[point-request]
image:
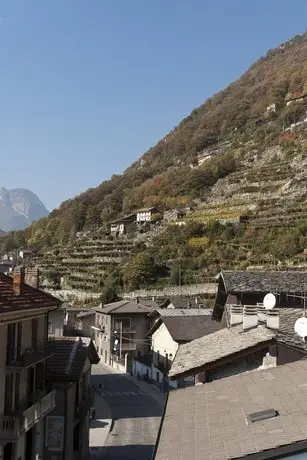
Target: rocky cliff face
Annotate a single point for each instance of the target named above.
(19, 207)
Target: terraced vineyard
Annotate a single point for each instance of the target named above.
(82, 265)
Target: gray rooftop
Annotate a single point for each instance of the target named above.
(124, 306)
(218, 345)
(210, 421)
(286, 333)
(259, 281)
(184, 311)
(187, 328)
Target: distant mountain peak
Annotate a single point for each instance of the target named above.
(19, 207)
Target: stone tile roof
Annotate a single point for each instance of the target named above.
(184, 311)
(69, 357)
(216, 346)
(286, 333)
(124, 306)
(258, 281)
(210, 421)
(29, 297)
(187, 328)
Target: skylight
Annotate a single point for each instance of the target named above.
(262, 415)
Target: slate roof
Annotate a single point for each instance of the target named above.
(258, 281)
(187, 328)
(184, 311)
(124, 306)
(286, 333)
(213, 417)
(29, 298)
(220, 344)
(69, 357)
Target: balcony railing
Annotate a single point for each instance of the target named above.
(125, 329)
(18, 357)
(11, 426)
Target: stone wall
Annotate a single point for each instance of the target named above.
(173, 291)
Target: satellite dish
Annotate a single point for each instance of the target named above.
(269, 301)
(300, 327)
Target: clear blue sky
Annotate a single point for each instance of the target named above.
(87, 86)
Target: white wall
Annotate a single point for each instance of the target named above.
(163, 342)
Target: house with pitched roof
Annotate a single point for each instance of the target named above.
(69, 373)
(172, 329)
(120, 332)
(25, 400)
(245, 287)
(250, 287)
(257, 415)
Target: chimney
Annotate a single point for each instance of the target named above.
(272, 319)
(261, 314)
(236, 314)
(250, 317)
(18, 280)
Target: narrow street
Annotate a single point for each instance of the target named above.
(136, 417)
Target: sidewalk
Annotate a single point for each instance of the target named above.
(100, 427)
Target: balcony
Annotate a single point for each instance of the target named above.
(11, 426)
(20, 358)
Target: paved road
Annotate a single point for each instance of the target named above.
(136, 417)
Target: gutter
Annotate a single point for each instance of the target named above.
(160, 429)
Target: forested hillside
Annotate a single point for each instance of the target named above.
(235, 117)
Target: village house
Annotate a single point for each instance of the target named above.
(257, 415)
(172, 329)
(207, 154)
(86, 324)
(56, 322)
(69, 372)
(173, 215)
(145, 215)
(25, 401)
(250, 287)
(240, 287)
(119, 226)
(120, 333)
(71, 320)
(247, 344)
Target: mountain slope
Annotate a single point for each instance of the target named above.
(163, 176)
(19, 208)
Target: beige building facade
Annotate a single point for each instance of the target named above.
(24, 399)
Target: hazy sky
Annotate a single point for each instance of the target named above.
(87, 86)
